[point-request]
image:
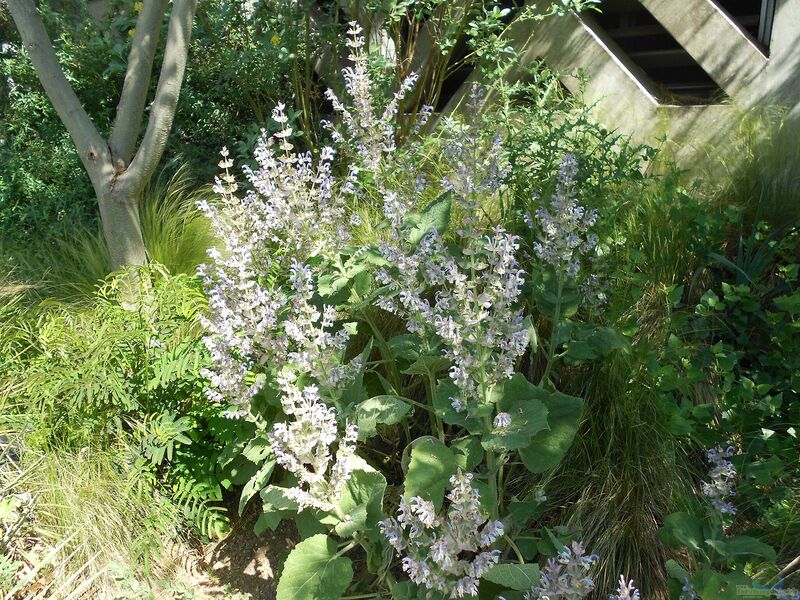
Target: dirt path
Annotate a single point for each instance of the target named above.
(241, 565)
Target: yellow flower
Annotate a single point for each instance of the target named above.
(132, 32)
(137, 6)
(276, 39)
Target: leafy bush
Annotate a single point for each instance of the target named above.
(114, 395)
(409, 348)
(732, 375)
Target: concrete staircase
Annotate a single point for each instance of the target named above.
(683, 68)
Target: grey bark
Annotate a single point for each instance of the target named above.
(118, 171)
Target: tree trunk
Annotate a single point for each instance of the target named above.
(119, 212)
(116, 171)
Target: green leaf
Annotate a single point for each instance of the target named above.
(533, 337)
(711, 585)
(443, 407)
(607, 340)
(523, 511)
(379, 410)
(744, 545)
(270, 518)
(548, 447)
(580, 351)
(516, 389)
(428, 365)
(404, 590)
(257, 448)
(354, 392)
(676, 571)
(256, 484)
(514, 576)
(435, 216)
(468, 452)
(682, 529)
(354, 520)
(432, 464)
(309, 524)
(522, 400)
(547, 298)
(362, 500)
(406, 346)
(313, 571)
(275, 497)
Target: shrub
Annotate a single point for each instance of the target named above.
(126, 387)
(388, 374)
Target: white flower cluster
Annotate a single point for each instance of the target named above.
(371, 131)
(254, 325)
(564, 225)
(295, 198)
(446, 552)
(687, 591)
(502, 421)
(313, 348)
(479, 168)
(473, 309)
(292, 210)
(303, 447)
(722, 484)
(565, 577)
(625, 590)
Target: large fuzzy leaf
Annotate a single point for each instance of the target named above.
(313, 571)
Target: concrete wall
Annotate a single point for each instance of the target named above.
(625, 99)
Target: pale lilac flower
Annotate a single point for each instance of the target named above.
(293, 209)
(565, 577)
(447, 552)
(304, 448)
(722, 484)
(625, 590)
(479, 164)
(501, 421)
(370, 130)
(563, 225)
(687, 591)
(474, 310)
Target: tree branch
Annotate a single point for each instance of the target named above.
(166, 98)
(89, 143)
(137, 81)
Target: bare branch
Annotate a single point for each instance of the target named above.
(137, 79)
(166, 98)
(89, 143)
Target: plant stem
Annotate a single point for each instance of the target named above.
(491, 466)
(511, 543)
(438, 421)
(345, 550)
(420, 405)
(551, 349)
(386, 352)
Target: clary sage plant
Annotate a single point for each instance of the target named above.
(384, 382)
